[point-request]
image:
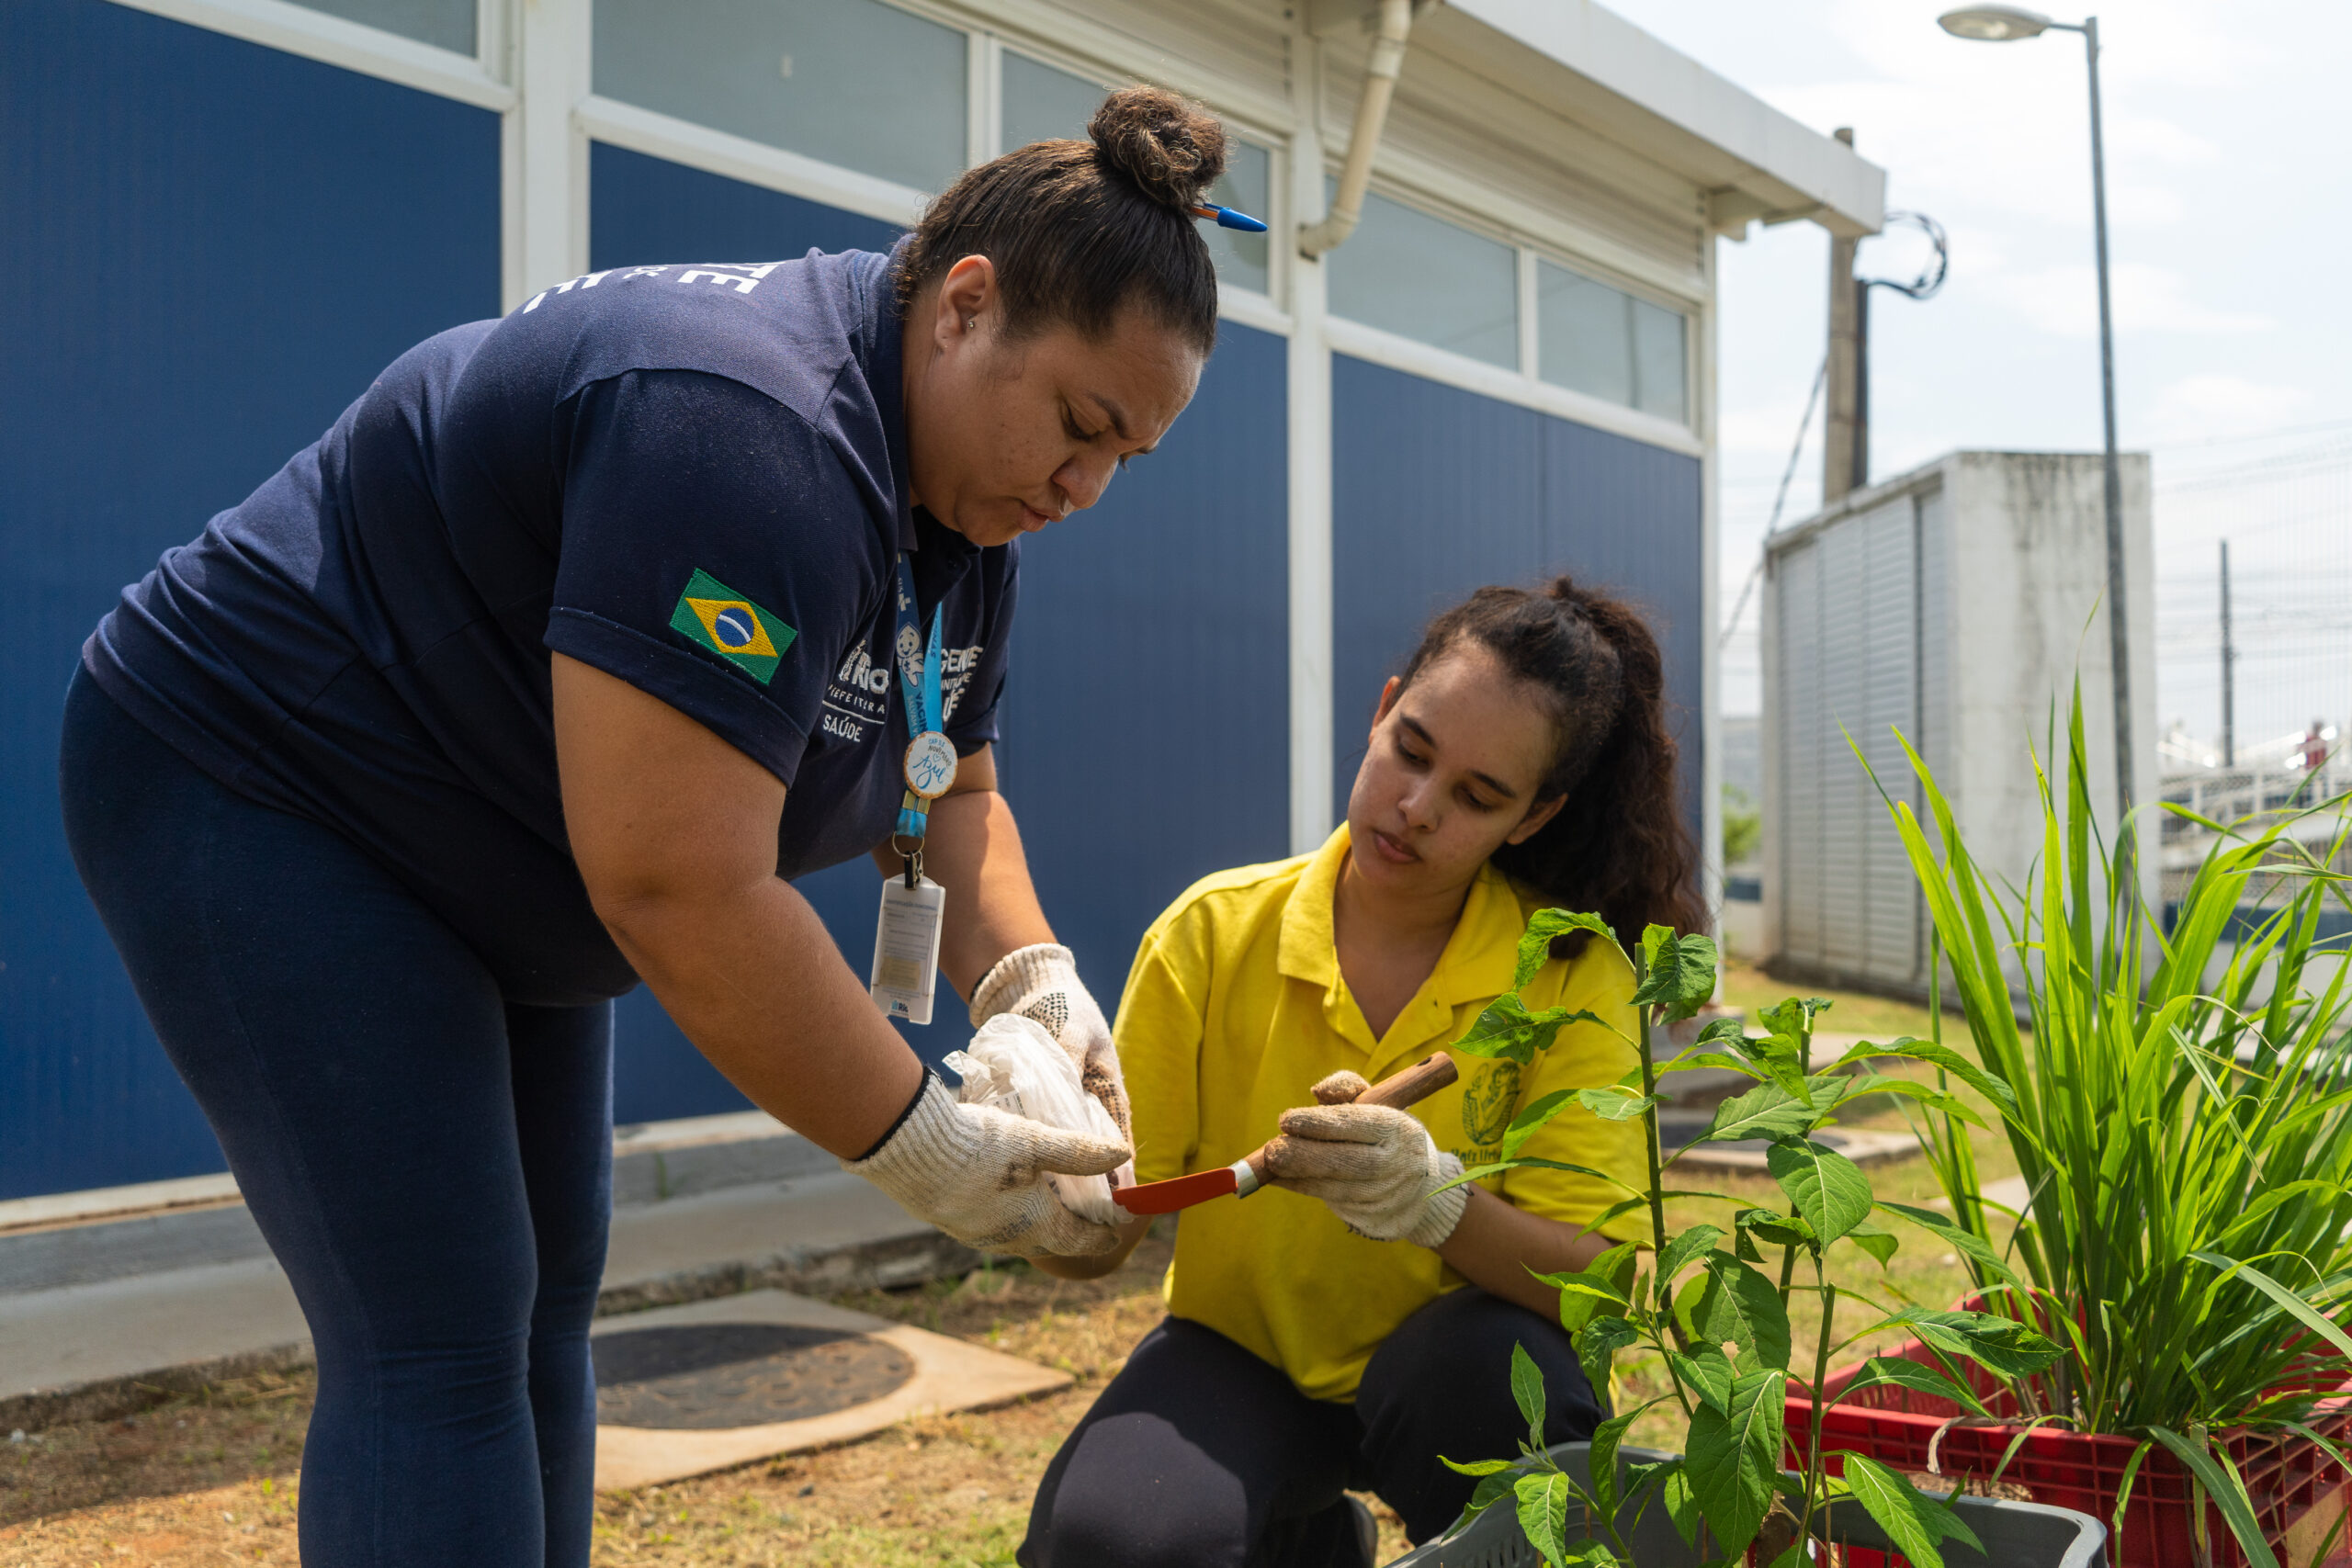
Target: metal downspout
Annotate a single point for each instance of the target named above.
(1372, 113)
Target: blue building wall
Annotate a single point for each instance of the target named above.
(643, 211)
(1151, 630)
(217, 245)
(1436, 491)
(212, 248)
(1153, 643)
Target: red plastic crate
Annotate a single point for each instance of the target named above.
(2297, 1490)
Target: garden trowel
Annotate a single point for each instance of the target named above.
(1248, 1174)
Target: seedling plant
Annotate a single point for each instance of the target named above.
(1712, 1305)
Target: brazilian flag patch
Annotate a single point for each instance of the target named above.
(715, 616)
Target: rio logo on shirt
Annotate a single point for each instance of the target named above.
(1488, 1104)
(713, 616)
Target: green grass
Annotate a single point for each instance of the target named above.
(1749, 989)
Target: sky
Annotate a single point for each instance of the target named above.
(2227, 130)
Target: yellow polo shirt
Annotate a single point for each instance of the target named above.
(1235, 1008)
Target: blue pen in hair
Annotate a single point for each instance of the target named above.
(1229, 219)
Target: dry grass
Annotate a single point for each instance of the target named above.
(195, 1481)
(952, 1489)
(184, 1482)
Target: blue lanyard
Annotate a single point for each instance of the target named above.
(918, 677)
(920, 681)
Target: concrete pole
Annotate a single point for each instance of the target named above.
(1838, 447)
(2118, 638)
(1861, 469)
(2228, 672)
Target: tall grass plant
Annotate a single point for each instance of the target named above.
(2182, 1119)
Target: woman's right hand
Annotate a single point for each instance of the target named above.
(979, 1175)
(1377, 1168)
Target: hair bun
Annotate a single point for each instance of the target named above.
(1169, 145)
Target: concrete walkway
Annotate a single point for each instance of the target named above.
(97, 1312)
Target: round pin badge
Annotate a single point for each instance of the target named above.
(931, 764)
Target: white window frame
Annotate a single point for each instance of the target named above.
(695, 146)
(1634, 289)
(1525, 385)
(1247, 306)
(355, 46)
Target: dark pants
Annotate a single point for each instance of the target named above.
(431, 1163)
(1200, 1455)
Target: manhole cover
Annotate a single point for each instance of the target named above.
(709, 1377)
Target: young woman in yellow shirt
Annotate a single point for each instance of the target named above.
(1349, 1324)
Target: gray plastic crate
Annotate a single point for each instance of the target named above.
(2016, 1535)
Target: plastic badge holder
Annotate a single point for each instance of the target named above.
(1013, 1066)
(905, 948)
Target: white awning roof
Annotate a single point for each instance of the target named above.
(1594, 67)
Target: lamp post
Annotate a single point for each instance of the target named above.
(2006, 23)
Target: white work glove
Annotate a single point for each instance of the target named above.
(1013, 1066)
(979, 1175)
(1377, 1168)
(1040, 983)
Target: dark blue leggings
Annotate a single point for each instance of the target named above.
(431, 1163)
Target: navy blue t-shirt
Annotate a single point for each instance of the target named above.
(692, 478)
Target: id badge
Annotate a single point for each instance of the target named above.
(905, 948)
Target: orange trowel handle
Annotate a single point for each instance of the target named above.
(1397, 1092)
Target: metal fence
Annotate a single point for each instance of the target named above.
(2254, 643)
(2254, 665)
(2304, 798)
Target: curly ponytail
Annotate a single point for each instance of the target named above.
(1619, 847)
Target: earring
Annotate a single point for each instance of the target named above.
(969, 321)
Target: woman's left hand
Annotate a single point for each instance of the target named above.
(1377, 1168)
(1040, 983)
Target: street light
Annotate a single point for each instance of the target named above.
(2006, 23)
(1994, 24)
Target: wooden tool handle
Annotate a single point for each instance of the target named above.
(1413, 1085)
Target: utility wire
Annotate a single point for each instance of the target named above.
(2271, 434)
(1926, 286)
(1795, 451)
(1930, 280)
(2311, 464)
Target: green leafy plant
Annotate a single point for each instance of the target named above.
(1743, 826)
(2182, 1120)
(1712, 1305)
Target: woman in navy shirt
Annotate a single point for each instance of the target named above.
(541, 672)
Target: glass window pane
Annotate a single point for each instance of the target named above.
(1041, 104)
(1584, 340)
(449, 24)
(1659, 362)
(1247, 185)
(1422, 278)
(851, 82)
